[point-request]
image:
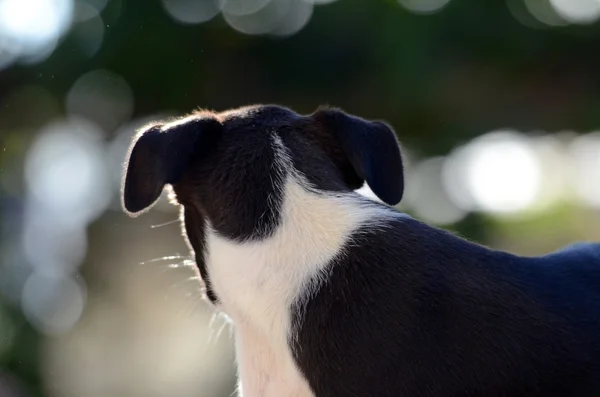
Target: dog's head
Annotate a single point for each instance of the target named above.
(215, 161)
(228, 168)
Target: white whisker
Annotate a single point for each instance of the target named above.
(164, 224)
(164, 258)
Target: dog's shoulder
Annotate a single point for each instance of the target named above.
(389, 231)
(587, 250)
(574, 259)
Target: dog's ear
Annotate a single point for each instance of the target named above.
(372, 149)
(158, 156)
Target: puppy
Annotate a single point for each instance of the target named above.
(332, 294)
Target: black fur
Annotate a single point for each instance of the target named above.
(372, 149)
(194, 231)
(409, 310)
(160, 157)
(406, 309)
(236, 178)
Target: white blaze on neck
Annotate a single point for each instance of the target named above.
(257, 282)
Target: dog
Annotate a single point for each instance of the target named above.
(333, 294)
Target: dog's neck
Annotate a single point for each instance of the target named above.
(300, 227)
(307, 219)
(313, 228)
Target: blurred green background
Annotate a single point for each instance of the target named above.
(496, 104)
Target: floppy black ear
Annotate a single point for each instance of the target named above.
(159, 155)
(373, 150)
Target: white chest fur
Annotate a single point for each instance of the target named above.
(258, 282)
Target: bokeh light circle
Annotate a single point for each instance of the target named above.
(242, 7)
(577, 11)
(53, 304)
(585, 154)
(66, 172)
(423, 6)
(498, 172)
(191, 11)
(103, 97)
(32, 28)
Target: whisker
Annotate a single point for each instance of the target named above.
(186, 280)
(215, 334)
(212, 320)
(172, 266)
(185, 263)
(164, 224)
(220, 331)
(212, 329)
(164, 258)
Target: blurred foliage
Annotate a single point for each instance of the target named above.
(439, 79)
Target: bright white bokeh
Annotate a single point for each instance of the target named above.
(32, 28)
(66, 171)
(498, 173)
(423, 6)
(585, 154)
(577, 11)
(556, 165)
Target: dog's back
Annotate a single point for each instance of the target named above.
(445, 317)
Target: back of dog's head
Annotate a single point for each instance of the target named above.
(231, 166)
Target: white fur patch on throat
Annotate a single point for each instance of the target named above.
(258, 282)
